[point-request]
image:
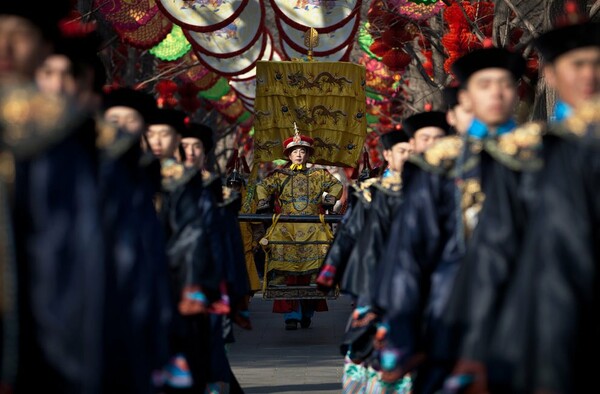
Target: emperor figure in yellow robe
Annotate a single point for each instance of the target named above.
(297, 190)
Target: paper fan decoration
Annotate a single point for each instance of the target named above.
(323, 15)
(148, 35)
(234, 111)
(229, 106)
(127, 15)
(248, 107)
(202, 15)
(234, 38)
(328, 42)
(173, 47)
(207, 81)
(196, 70)
(241, 64)
(267, 55)
(245, 89)
(340, 55)
(218, 90)
(276, 56)
(249, 102)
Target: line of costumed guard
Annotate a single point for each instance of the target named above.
(471, 255)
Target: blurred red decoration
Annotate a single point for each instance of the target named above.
(166, 90)
(396, 59)
(379, 48)
(73, 26)
(460, 38)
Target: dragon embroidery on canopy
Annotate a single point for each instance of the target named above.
(319, 115)
(322, 80)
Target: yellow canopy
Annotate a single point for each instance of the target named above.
(325, 99)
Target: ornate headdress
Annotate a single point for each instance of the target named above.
(297, 140)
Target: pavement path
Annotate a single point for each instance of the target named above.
(270, 359)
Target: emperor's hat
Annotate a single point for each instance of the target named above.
(297, 140)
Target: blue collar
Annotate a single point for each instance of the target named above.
(562, 111)
(479, 130)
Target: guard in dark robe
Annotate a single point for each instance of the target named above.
(438, 214)
(138, 307)
(532, 345)
(422, 206)
(207, 279)
(55, 323)
(348, 230)
(359, 280)
(479, 287)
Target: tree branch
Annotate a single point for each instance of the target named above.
(595, 8)
(409, 49)
(473, 25)
(519, 15)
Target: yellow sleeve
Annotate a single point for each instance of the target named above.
(265, 189)
(332, 185)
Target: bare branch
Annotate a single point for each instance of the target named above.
(473, 25)
(595, 8)
(519, 15)
(409, 49)
(171, 72)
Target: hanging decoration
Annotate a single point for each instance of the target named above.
(274, 56)
(341, 55)
(235, 38)
(365, 40)
(218, 90)
(165, 91)
(173, 47)
(418, 10)
(127, 15)
(202, 15)
(460, 38)
(188, 98)
(242, 64)
(323, 15)
(149, 34)
(328, 42)
(246, 89)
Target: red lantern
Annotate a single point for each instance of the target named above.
(396, 59)
(379, 48)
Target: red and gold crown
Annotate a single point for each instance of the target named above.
(297, 140)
